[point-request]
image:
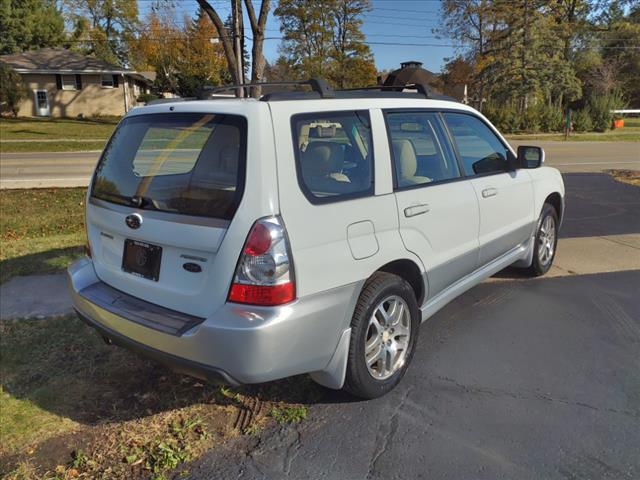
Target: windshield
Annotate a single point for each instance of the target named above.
(187, 163)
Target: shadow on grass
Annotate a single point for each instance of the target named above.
(64, 367)
(48, 261)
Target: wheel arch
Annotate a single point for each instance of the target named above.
(555, 199)
(409, 271)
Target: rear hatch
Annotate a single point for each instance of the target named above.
(162, 198)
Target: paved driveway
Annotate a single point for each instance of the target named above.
(517, 379)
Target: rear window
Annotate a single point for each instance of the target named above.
(186, 163)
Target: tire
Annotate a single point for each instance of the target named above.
(546, 241)
(377, 341)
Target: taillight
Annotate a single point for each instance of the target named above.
(264, 275)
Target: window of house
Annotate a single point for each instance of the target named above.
(481, 151)
(41, 97)
(69, 82)
(107, 81)
(420, 151)
(334, 155)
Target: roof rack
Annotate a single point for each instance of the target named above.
(318, 85)
(320, 88)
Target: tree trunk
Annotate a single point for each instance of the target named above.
(258, 25)
(227, 42)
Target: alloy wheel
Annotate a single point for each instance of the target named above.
(387, 338)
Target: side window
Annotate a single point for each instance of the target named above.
(419, 151)
(480, 149)
(334, 154)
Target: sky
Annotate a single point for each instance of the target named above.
(396, 31)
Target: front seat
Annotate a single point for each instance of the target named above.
(407, 163)
(321, 165)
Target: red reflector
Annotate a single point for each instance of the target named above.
(258, 241)
(262, 294)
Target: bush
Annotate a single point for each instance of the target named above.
(532, 119)
(582, 120)
(601, 106)
(504, 117)
(553, 119)
(147, 97)
(12, 90)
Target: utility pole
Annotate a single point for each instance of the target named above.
(237, 44)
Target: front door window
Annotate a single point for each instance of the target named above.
(42, 103)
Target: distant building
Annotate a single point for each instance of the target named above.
(63, 83)
(410, 72)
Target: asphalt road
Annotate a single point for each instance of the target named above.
(67, 169)
(516, 379)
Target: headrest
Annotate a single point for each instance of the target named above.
(405, 157)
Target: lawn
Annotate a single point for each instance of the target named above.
(71, 406)
(41, 230)
(55, 134)
(629, 133)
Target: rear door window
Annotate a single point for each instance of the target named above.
(334, 155)
(421, 154)
(480, 150)
(185, 163)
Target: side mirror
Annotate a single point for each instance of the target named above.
(530, 157)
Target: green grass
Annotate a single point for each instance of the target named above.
(629, 133)
(70, 134)
(61, 146)
(41, 230)
(56, 128)
(289, 413)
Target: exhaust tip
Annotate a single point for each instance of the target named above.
(107, 340)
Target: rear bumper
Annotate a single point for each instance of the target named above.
(178, 364)
(237, 344)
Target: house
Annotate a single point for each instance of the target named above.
(63, 83)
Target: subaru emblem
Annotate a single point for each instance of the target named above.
(133, 221)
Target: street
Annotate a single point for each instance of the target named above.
(69, 169)
(517, 378)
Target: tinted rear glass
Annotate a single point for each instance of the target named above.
(187, 163)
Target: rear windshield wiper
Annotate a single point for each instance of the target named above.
(144, 203)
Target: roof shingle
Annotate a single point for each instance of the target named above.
(58, 59)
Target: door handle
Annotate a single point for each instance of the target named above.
(489, 192)
(414, 210)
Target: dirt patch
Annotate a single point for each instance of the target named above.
(631, 177)
(73, 407)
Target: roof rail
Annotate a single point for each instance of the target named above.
(318, 85)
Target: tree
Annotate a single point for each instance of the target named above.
(325, 39)
(12, 90)
(257, 23)
(184, 59)
(520, 49)
(201, 60)
(103, 27)
(619, 55)
(29, 25)
(156, 49)
(455, 73)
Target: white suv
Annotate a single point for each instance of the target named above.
(244, 240)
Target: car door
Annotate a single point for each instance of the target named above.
(505, 196)
(437, 208)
